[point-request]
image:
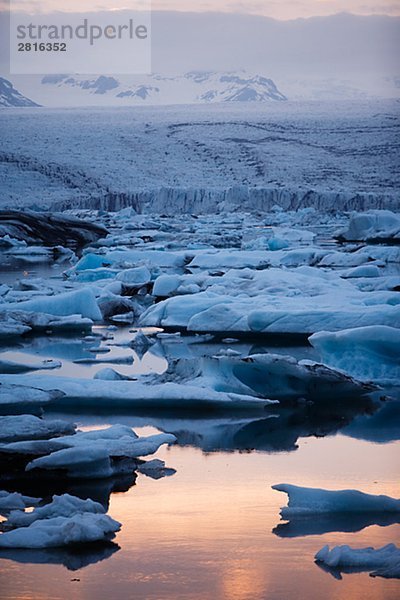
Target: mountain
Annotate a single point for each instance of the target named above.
(9, 96)
(191, 88)
(342, 56)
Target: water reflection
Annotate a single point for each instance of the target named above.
(321, 524)
(72, 558)
(45, 485)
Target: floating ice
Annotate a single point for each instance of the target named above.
(61, 531)
(277, 376)
(311, 501)
(17, 399)
(383, 562)
(80, 302)
(15, 501)
(374, 225)
(27, 427)
(18, 322)
(369, 353)
(60, 506)
(193, 396)
(9, 366)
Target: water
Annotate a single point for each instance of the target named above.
(206, 532)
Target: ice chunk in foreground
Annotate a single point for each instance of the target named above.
(383, 562)
(92, 454)
(60, 506)
(62, 531)
(369, 353)
(310, 501)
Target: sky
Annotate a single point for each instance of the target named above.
(279, 9)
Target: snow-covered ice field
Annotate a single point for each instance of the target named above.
(216, 335)
(344, 152)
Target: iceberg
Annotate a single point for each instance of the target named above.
(60, 506)
(27, 427)
(369, 353)
(15, 501)
(80, 302)
(62, 531)
(18, 399)
(10, 366)
(372, 226)
(383, 562)
(96, 393)
(279, 377)
(312, 501)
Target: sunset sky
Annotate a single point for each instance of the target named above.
(280, 9)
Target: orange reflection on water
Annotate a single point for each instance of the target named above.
(206, 532)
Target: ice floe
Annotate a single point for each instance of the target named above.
(193, 396)
(381, 562)
(311, 501)
(79, 528)
(18, 399)
(28, 427)
(369, 353)
(374, 225)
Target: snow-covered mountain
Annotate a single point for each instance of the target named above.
(9, 96)
(191, 88)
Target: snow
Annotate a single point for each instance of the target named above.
(221, 158)
(369, 353)
(383, 562)
(307, 502)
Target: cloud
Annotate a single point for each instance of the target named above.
(283, 9)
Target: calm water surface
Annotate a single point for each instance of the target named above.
(206, 532)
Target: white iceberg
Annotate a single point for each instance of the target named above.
(374, 225)
(369, 353)
(27, 427)
(62, 531)
(17, 399)
(80, 302)
(91, 454)
(312, 501)
(383, 562)
(10, 366)
(60, 506)
(193, 396)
